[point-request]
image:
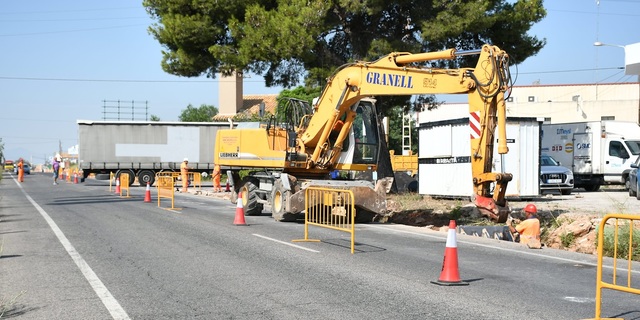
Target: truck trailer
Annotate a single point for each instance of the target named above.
(143, 148)
(598, 152)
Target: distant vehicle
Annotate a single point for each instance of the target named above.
(25, 165)
(633, 179)
(599, 152)
(8, 165)
(553, 176)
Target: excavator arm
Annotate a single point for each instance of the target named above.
(404, 74)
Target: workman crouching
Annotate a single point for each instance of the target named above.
(529, 229)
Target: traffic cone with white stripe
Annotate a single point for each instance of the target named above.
(239, 219)
(450, 276)
(227, 189)
(75, 178)
(117, 185)
(147, 194)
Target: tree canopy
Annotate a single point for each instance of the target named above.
(204, 113)
(287, 41)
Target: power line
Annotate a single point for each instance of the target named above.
(67, 11)
(70, 20)
(574, 70)
(70, 31)
(114, 80)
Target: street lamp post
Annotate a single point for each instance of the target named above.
(627, 71)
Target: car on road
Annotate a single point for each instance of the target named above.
(8, 165)
(27, 168)
(633, 179)
(25, 165)
(553, 176)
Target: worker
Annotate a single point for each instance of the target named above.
(184, 171)
(529, 229)
(21, 170)
(56, 169)
(216, 178)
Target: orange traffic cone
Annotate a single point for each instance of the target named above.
(239, 219)
(147, 194)
(450, 275)
(75, 178)
(117, 185)
(227, 189)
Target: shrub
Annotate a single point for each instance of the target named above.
(623, 243)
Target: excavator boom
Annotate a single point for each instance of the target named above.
(339, 133)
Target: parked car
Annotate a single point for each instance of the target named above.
(633, 179)
(553, 176)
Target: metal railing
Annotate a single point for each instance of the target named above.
(631, 251)
(329, 208)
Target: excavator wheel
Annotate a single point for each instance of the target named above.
(279, 199)
(250, 197)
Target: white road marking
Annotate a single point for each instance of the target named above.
(580, 299)
(502, 249)
(285, 243)
(112, 305)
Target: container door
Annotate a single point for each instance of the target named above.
(582, 153)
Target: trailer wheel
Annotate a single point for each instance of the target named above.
(279, 199)
(127, 172)
(250, 197)
(146, 176)
(592, 187)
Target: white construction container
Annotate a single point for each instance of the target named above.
(444, 164)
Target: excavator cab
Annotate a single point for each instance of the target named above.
(365, 135)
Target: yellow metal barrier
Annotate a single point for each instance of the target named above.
(632, 220)
(196, 180)
(329, 208)
(124, 185)
(165, 186)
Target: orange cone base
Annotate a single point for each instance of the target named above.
(449, 283)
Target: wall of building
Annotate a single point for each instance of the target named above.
(560, 103)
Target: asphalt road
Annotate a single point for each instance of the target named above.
(77, 251)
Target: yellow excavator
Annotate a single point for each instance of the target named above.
(305, 145)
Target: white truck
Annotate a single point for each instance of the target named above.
(598, 152)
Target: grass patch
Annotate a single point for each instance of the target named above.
(622, 248)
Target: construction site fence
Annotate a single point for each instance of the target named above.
(329, 208)
(195, 178)
(615, 233)
(124, 185)
(166, 187)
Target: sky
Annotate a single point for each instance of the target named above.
(61, 60)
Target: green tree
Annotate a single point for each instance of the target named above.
(288, 41)
(204, 113)
(154, 118)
